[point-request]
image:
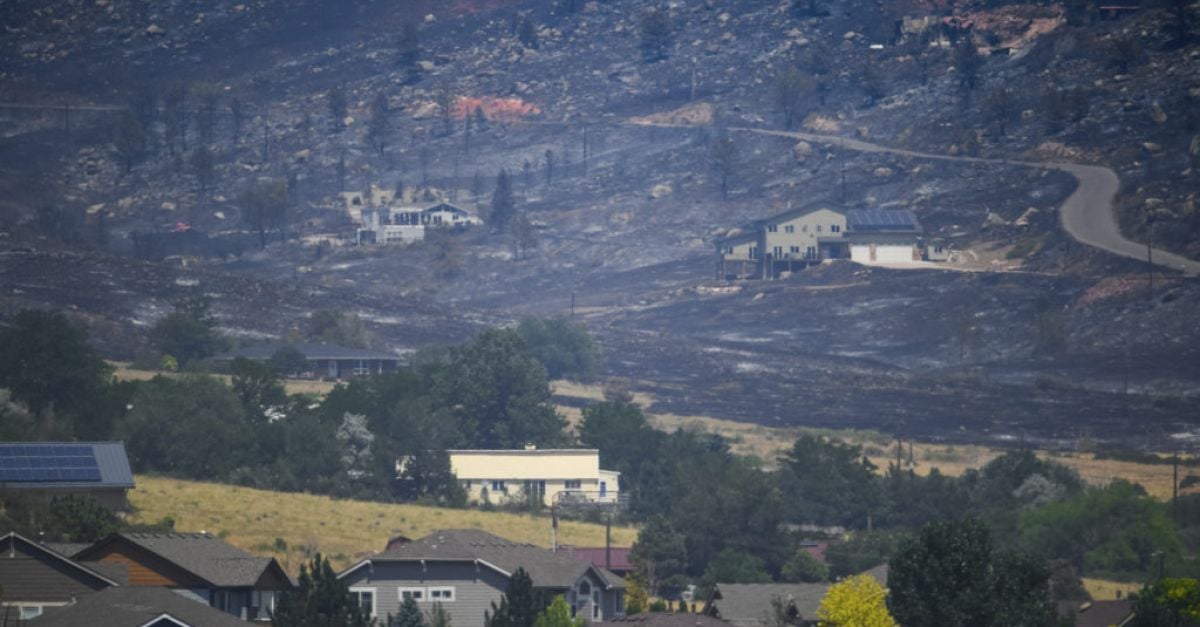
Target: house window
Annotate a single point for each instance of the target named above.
(416, 594)
(835, 228)
(596, 605)
(499, 486)
(535, 487)
(470, 483)
(573, 484)
(811, 252)
(791, 228)
(774, 228)
(30, 611)
(441, 595)
(754, 252)
(620, 603)
(778, 251)
(585, 589)
(360, 367)
(365, 598)
(795, 250)
(818, 228)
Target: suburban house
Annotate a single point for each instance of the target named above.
(799, 237)
(324, 361)
(136, 607)
(380, 217)
(198, 566)
(466, 570)
(751, 604)
(614, 558)
(36, 578)
(99, 470)
(553, 475)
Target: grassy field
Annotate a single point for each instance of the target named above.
(768, 443)
(343, 530)
(1103, 590)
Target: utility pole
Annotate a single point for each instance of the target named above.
(608, 541)
(693, 99)
(843, 155)
(1175, 488)
(1149, 256)
(572, 304)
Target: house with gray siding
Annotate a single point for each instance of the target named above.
(466, 570)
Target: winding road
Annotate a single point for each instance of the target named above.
(1087, 214)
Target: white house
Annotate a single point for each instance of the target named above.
(555, 475)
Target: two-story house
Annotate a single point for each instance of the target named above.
(36, 578)
(551, 475)
(97, 470)
(799, 237)
(198, 566)
(467, 570)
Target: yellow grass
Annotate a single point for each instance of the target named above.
(123, 372)
(1102, 590)
(343, 530)
(768, 443)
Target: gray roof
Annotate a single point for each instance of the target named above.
(311, 351)
(110, 458)
(203, 555)
(89, 569)
(663, 619)
(134, 606)
(546, 568)
(749, 603)
(1098, 613)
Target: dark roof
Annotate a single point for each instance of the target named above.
(665, 619)
(135, 606)
(205, 556)
(1098, 613)
(445, 206)
(617, 556)
(311, 351)
(40, 465)
(878, 220)
(547, 569)
(749, 603)
(796, 213)
(104, 576)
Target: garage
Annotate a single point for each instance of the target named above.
(881, 253)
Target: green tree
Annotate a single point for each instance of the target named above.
(438, 616)
(950, 575)
(659, 553)
(190, 332)
(520, 605)
(558, 615)
(1168, 603)
(655, 35)
(523, 234)
(288, 360)
(46, 363)
(733, 566)
(791, 88)
(803, 567)
(379, 125)
(408, 52)
(129, 140)
(409, 615)
(75, 518)
(257, 386)
(427, 475)
(562, 346)
(319, 599)
(202, 165)
(967, 64)
(336, 99)
(500, 393)
(503, 205)
(859, 601)
(636, 599)
(829, 483)
(213, 440)
(527, 33)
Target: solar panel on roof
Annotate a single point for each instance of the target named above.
(48, 463)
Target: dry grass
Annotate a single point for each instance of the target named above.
(768, 443)
(123, 372)
(1102, 590)
(342, 530)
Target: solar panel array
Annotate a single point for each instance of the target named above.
(32, 463)
(878, 218)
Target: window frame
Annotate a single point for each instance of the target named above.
(572, 484)
(358, 590)
(413, 590)
(442, 589)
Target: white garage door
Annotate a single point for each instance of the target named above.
(881, 253)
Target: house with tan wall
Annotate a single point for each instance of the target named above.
(554, 475)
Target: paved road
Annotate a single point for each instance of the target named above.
(1087, 214)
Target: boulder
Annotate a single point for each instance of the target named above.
(802, 151)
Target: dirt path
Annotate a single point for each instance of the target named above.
(1087, 214)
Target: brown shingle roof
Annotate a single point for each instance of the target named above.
(546, 568)
(205, 556)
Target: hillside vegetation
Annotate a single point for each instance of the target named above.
(343, 530)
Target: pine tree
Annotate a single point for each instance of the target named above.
(409, 616)
(656, 35)
(502, 202)
(319, 598)
(520, 605)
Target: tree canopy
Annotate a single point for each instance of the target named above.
(858, 601)
(319, 599)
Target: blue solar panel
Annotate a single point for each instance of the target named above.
(48, 463)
